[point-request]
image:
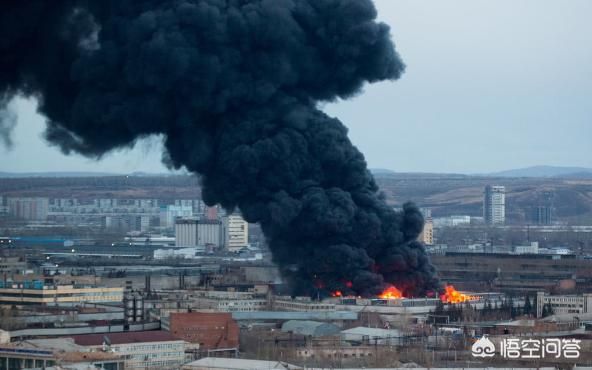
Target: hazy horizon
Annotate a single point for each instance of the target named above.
(490, 86)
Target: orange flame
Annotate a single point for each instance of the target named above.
(452, 295)
(336, 293)
(391, 293)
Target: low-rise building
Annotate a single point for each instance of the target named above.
(12, 265)
(452, 221)
(564, 304)
(182, 253)
(369, 336)
(62, 352)
(38, 293)
(232, 305)
(145, 350)
(301, 304)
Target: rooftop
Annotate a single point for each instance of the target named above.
(372, 332)
(63, 349)
(238, 364)
(310, 328)
(123, 338)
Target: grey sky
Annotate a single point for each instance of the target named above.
(490, 85)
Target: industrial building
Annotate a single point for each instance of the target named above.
(141, 350)
(39, 293)
(62, 352)
(564, 304)
(514, 272)
(193, 232)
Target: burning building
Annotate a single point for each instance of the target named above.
(233, 88)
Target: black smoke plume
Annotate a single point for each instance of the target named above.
(233, 87)
(7, 123)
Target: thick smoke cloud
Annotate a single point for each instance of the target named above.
(7, 124)
(233, 86)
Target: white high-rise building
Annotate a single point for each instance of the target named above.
(494, 205)
(237, 232)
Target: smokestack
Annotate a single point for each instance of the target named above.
(233, 88)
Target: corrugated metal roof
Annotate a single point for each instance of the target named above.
(295, 315)
(372, 332)
(310, 328)
(236, 363)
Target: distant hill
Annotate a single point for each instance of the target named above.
(18, 175)
(381, 171)
(55, 174)
(545, 171)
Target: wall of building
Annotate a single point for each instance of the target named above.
(209, 330)
(564, 304)
(210, 232)
(237, 232)
(150, 355)
(59, 295)
(186, 233)
(427, 234)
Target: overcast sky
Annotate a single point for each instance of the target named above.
(490, 85)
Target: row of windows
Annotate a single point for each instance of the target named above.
(570, 299)
(566, 305)
(243, 303)
(19, 363)
(146, 356)
(151, 347)
(344, 355)
(305, 305)
(154, 364)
